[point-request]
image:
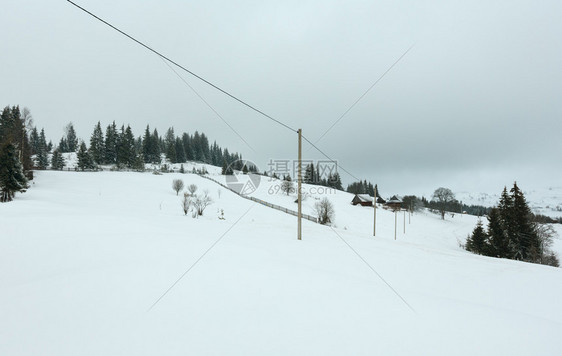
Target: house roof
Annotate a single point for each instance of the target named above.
(394, 199)
(364, 198)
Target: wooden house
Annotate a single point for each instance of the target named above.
(394, 203)
(362, 199)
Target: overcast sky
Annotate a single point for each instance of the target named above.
(474, 105)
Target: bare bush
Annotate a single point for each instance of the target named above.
(177, 185)
(186, 203)
(287, 186)
(201, 202)
(325, 211)
(192, 188)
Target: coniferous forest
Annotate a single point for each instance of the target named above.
(23, 148)
(512, 232)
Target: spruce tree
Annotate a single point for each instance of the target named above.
(97, 145)
(34, 141)
(170, 145)
(42, 156)
(71, 138)
(499, 242)
(111, 144)
(12, 179)
(527, 244)
(180, 152)
(57, 161)
(85, 161)
(477, 242)
(186, 141)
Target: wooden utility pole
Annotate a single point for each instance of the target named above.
(299, 187)
(375, 213)
(395, 222)
(404, 220)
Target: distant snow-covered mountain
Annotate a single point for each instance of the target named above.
(546, 201)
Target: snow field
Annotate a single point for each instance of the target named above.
(83, 256)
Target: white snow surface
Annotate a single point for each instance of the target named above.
(84, 256)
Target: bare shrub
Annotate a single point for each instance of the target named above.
(192, 188)
(287, 186)
(201, 202)
(177, 185)
(186, 203)
(325, 211)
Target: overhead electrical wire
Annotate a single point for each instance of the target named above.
(229, 94)
(183, 68)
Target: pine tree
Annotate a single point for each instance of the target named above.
(34, 141)
(71, 139)
(477, 242)
(63, 146)
(42, 157)
(111, 144)
(57, 161)
(180, 152)
(12, 179)
(170, 145)
(186, 141)
(97, 145)
(85, 161)
(527, 244)
(499, 242)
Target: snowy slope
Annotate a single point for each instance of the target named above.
(83, 256)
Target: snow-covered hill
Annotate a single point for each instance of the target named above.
(84, 256)
(546, 201)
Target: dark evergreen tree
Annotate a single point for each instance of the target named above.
(477, 242)
(156, 147)
(499, 243)
(57, 161)
(97, 145)
(12, 179)
(34, 141)
(526, 244)
(111, 144)
(180, 152)
(71, 138)
(170, 145)
(85, 161)
(309, 174)
(186, 141)
(42, 156)
(63, 146)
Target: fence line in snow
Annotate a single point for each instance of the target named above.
(263, 202)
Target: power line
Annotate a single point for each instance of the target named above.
(199, 259)
(374, 271)
(182, 67)
(206, 103)
(365, 93)
(330, 158)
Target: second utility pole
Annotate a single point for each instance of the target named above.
(299, 187)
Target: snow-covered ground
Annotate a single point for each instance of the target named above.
(84, 256)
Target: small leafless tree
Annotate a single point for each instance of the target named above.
(177, 185)
(192, 188)
(201, 202)
(186, 203)
(444, 197)
(287, 186)
(325, 211)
